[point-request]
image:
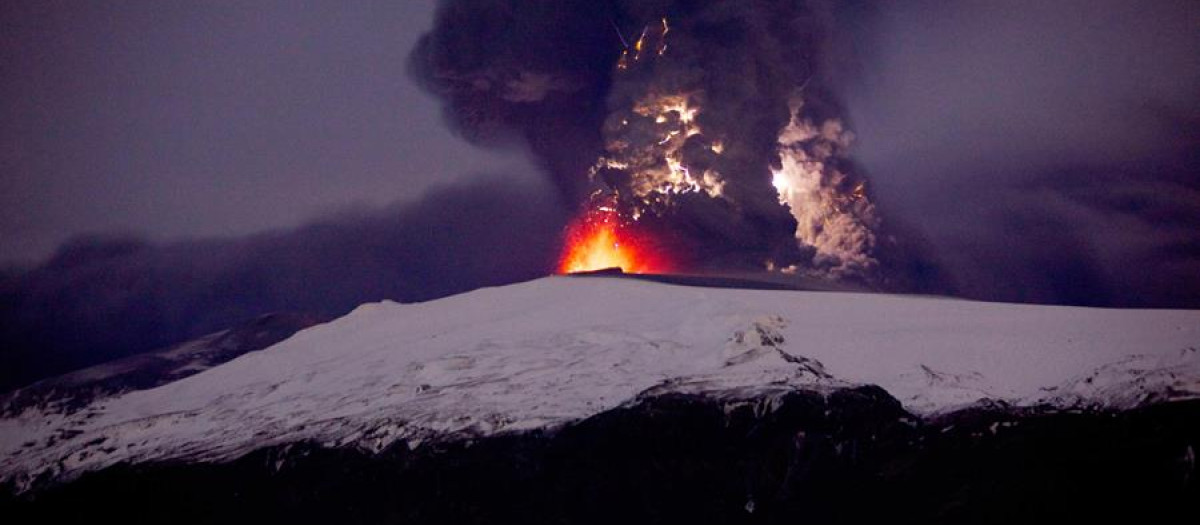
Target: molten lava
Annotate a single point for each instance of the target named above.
(599, 240)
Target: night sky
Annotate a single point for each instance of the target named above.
(174, 119)
(168, 169)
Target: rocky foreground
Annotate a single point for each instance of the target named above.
(850, 455)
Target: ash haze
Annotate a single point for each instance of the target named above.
(167, 170)
(173, 119)
(1050, 151)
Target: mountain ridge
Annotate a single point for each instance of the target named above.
(546, 354)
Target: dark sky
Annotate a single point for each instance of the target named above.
(218, 118)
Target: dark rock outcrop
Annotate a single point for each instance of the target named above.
(847, 456)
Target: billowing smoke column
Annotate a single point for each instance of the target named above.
(704, 125)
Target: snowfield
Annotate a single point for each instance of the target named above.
(555, 350)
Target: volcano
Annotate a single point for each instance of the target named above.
(602, 398)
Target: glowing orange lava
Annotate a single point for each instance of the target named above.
(597, 240)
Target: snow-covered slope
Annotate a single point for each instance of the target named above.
(72, 391)
(555, 350)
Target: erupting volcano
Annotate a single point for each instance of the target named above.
(707, 126)
(599, 239)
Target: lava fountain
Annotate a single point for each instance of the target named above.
(599, 239)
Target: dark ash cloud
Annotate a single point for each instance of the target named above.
(584, 81)
(105, 297)
(1049, 151)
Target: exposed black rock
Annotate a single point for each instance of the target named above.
(848, 456)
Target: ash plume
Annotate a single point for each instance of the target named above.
(711, 123)
(105, 297)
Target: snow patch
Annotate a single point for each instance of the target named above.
(1132, 382)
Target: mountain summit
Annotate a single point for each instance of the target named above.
(544, 359)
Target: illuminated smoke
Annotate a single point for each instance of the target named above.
(833, 213)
